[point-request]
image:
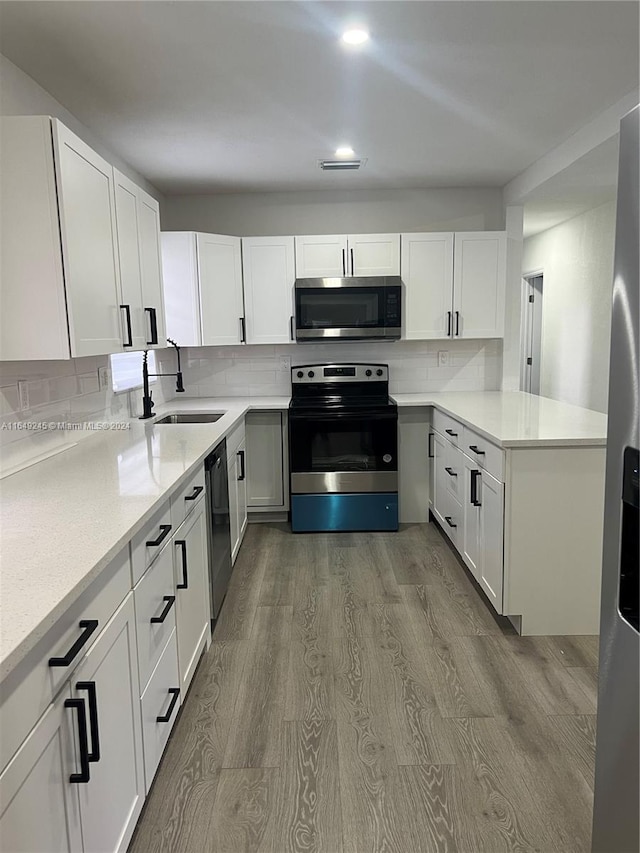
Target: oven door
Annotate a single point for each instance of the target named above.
(343, 451)
(346, 308)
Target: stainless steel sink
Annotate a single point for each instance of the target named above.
(190, 418)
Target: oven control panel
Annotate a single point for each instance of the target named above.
(319, 373)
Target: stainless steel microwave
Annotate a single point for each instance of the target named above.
(351, 308)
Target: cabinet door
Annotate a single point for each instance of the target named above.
(265, 482)
(427, 273)
(192, 593)
(220, 277)
(321, 256)
(90, 257)
(471, 517)
(268, 268)
(180, 286)
(232, 473)
(241, 494)
(129, 259)
(479, 280)
(440, 494)
(151, 267)
(107, 680)
(492, 538)
(39, 807)
(432, 465)
(374, 254)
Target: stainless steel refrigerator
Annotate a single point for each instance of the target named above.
(617, 791)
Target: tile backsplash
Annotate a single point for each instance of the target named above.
(69, 391)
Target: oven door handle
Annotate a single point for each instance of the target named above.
(325, 417)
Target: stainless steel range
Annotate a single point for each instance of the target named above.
(343, 446)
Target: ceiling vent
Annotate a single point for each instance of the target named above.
(340, 165)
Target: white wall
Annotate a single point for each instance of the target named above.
(20, 95)
(328, 212)
(576, 259)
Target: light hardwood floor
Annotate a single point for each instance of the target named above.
(360, 695)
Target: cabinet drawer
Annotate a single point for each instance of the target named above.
(158, 530)
(454, 471)
(453, 520)
(235, 439)
(448, 427)
(186, 497)
(485, 454)
(155, 598)
(29, 689)
(156, 702)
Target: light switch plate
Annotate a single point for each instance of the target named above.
(104, 378)
(285, 363)
(443, 358)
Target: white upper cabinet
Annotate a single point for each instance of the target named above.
(337, 255)
(321, 256)
(479, 281)
(268, 268)
(427, 273)
(374, 254)
(89, 245)
(203, 288)
(138, 227)
(221, 300)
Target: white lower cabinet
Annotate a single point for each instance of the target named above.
(266, 461)
(492, 538)
(192, 592)
(238, 497)
(160, 703)
(39, 807)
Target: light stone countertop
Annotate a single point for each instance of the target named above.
(516, 419)
(65, 518)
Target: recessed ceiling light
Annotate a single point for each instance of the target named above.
(355, 36)
(345, 151)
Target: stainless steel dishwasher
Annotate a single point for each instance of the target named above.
(218, 526)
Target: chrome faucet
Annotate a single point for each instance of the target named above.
(147, 398)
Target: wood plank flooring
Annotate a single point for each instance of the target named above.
(360, 695)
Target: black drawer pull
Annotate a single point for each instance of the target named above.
(241, 476)
(447, 518)
(165, 530)
(88, 627)
(451, 472)
(127, 311)
(196, 491)
(430, 446)
(476, 449)
(158, 620)
(174, 693)
(451, 432)
(243, 331)
(83, 775)
(153, 326)
(90, 687)
(474, 488)
(182, 544)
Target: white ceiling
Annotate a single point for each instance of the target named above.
(239, 96)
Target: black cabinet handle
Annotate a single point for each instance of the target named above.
(291, 332)
(165, 530)
(182, 544)
(174, 692)
(430, 446)
(88, 627)
(451, 432)
(449, 324)
(476, 449)
(242, 471)
(83, 775)
(352, 267)
(153, 323)
(127, 312)
(158, 620)
(447, 518)
(457, 322)
(90, 687)
(451, 472)
(243, 331)
(195, 493)
(344, 262)
(474, 488)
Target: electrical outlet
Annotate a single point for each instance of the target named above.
(443, 358)
(285, 363)
(23, 395)
(104, 378)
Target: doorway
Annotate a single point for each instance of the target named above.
(531, 334)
